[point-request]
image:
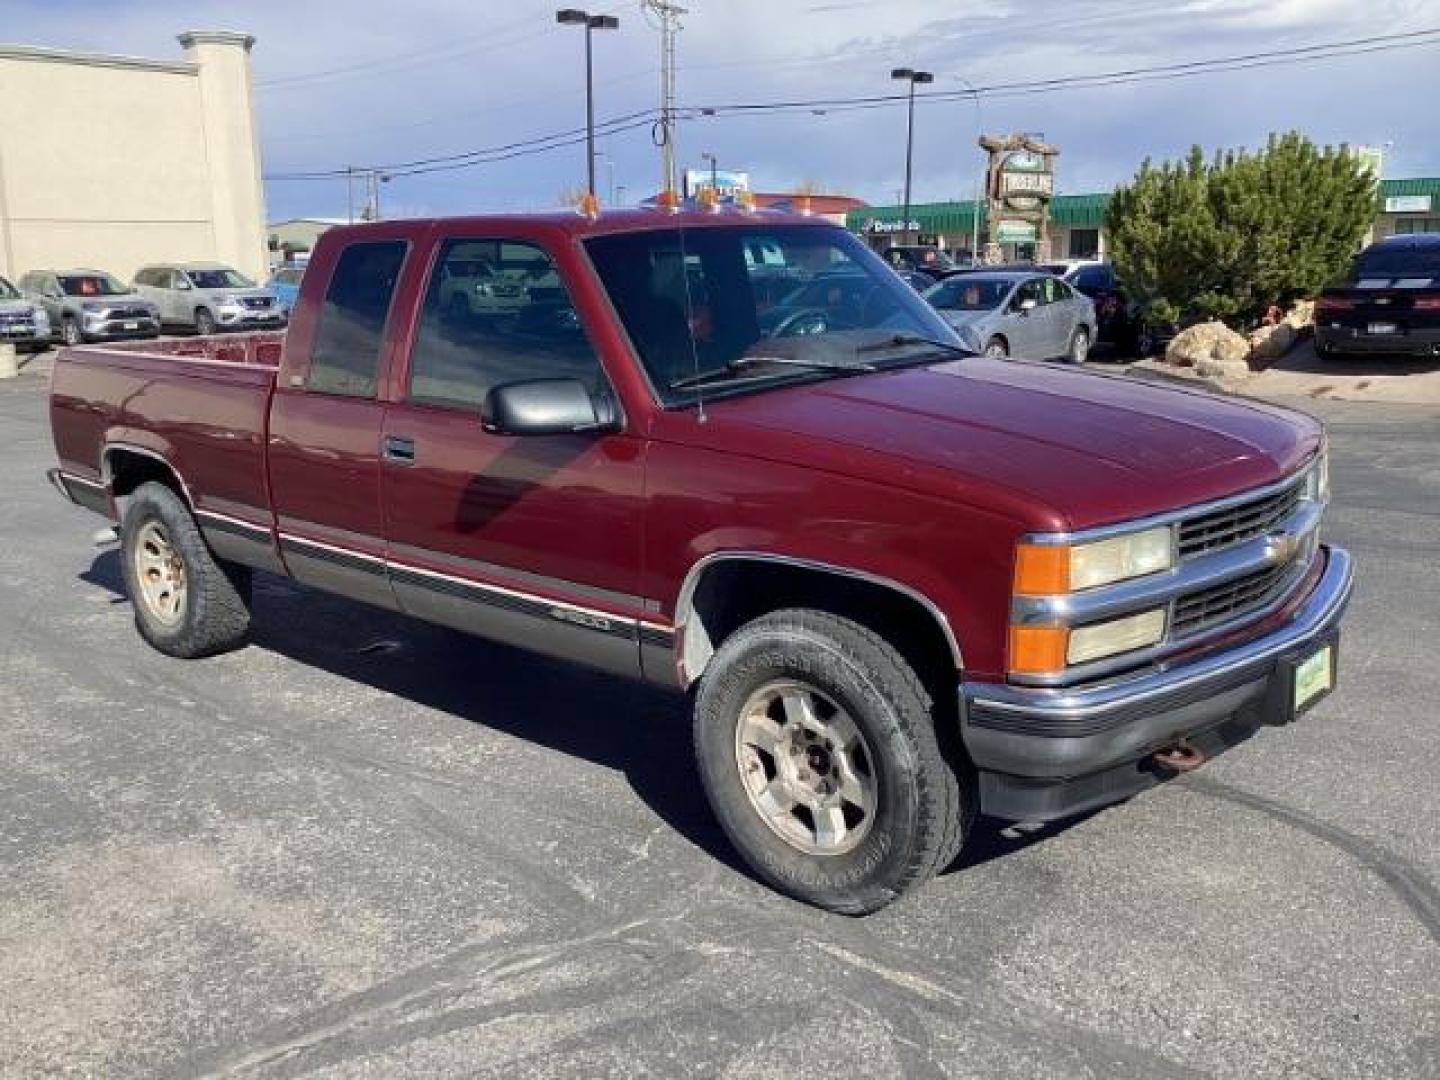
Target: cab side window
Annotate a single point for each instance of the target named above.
(495, 311)
(346, 356)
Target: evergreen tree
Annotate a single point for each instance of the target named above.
(1228, 238)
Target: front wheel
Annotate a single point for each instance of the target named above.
(204, 322)
(187, 603)
(996, 349)
(1079, 346)
(819, 754)
(70, 332)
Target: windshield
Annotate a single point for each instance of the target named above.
(94, 284)
(969, 293)
(693, 300)
(1382, 265)
(223, 278)
(7, 291)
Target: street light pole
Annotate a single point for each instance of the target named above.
(575, 17)
(975, 205)
(911, 76)
(714, 170)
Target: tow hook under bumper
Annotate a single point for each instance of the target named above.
(1180, 758)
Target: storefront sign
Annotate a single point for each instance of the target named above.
(874, 226)
(1408, 204)
(724, 181)
(1010, 231)
(1038, 184)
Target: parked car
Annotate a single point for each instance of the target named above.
(284, 282)
(1015, 313)
(1117, 322)
(208, 297)
(900, 584)
(91, 305)
(23, 323)
(1388, 302)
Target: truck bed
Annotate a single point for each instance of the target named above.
(200, 403)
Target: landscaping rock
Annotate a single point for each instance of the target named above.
(1272, 342)
(1211, 348)
(1301, 314)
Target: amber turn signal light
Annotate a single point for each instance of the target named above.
(1038, 650)
(1042, 569)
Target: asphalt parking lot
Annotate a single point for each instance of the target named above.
(367, 847)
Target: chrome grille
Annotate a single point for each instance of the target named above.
(1218, 604)
(1236, 524)
(128, 313)
(255, 302)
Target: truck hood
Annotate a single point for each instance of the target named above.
(1058, 447)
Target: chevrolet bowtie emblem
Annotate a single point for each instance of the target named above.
(1281, 547)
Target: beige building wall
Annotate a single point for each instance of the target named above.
(112, 162)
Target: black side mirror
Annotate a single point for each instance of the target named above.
(547, 407)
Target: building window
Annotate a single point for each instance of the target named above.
(1084, 243)
(1409, 226)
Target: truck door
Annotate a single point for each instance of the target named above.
(326, 416)
(533, 540)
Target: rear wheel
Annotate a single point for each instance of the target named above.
(819, 754)
(187, 603)
(996, 348)
(204, 322)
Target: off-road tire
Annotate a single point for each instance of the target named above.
(925, 803)
(215, 616)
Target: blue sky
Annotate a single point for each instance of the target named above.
(362, 82)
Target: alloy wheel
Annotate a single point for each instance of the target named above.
(806, 768)
(161, 574)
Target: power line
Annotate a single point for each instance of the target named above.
(1377, 43)
(506, 151)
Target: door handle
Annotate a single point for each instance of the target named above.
(398, 448)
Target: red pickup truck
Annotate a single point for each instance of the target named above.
(733, 453)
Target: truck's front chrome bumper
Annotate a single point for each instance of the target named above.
(1048, 752)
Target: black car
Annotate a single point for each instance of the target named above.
(1388, 302)
(1118, 325)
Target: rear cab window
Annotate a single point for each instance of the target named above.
(345, 358)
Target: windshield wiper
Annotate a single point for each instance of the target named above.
(744, 364)
(898, 341)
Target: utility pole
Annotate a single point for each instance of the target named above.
(668, 14)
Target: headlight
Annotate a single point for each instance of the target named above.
(1049, 569)
(1116, 636)
(1317, 480)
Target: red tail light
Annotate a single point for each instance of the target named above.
(1427, 303)
(1334, 303)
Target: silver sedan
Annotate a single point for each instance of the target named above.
(1015, 313)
